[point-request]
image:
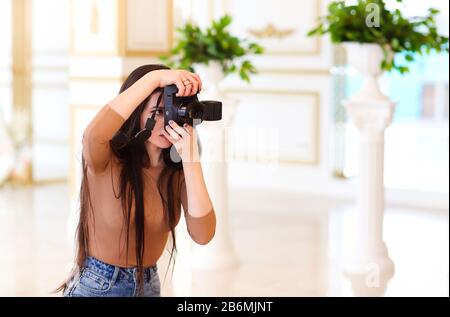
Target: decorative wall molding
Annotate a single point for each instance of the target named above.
(271, 31)
(315, 119)
(136, 43)
(111, 32)
(272, 35)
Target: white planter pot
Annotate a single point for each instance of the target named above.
(367, 58)
(211, 76)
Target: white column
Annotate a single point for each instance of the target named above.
(370, 267)
(219, 253)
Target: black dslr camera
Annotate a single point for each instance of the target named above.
(189, 109)
(181, 110)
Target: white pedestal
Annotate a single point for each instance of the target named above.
(219, 253)
(370, 267)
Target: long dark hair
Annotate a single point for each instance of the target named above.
(133, 157)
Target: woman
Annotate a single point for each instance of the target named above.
(132, 191)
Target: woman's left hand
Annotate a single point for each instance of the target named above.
(184, 139)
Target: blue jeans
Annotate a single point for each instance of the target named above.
(99, 279)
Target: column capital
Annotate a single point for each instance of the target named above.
(369, 115)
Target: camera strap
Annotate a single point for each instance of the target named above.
(146, 133)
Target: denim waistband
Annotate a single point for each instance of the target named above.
(108, 270)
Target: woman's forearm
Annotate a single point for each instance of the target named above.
(199, 203)
(126, 102)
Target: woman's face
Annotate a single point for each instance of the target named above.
(157, 137)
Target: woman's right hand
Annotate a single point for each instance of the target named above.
(180, 78)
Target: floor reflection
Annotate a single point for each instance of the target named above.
(288, 245)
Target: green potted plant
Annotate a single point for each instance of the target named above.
(372, 35)
(213, 50)
(370, 22)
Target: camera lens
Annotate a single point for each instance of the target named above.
(195, 110)
(187, 109)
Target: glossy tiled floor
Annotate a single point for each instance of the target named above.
(287, 245)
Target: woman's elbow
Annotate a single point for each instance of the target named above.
(204, 239)
(204, 231)
(206, 236)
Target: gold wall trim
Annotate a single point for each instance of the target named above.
(317, 104)
(317, 49)
(123, 36)
(50, 181)
(22, 71)
(72, 46)
(43, 182)
(22, 54)
(271, 31)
